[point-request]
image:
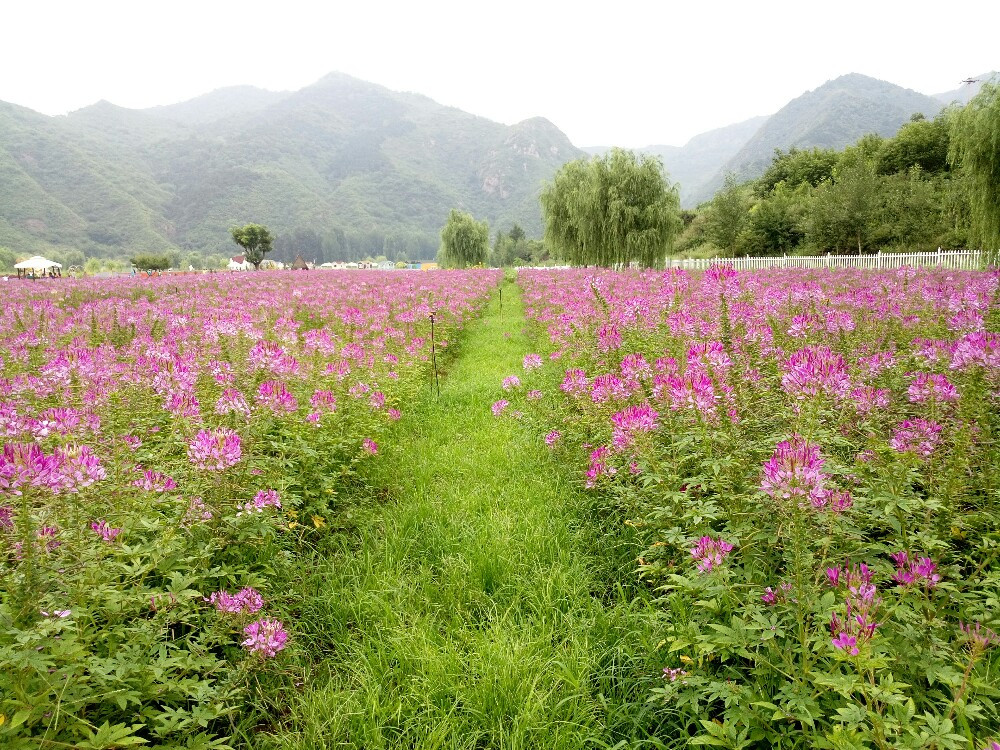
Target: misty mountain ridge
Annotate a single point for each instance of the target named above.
(371, 168)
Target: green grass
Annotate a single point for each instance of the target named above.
(467, 610)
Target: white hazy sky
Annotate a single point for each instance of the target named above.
(613, 73)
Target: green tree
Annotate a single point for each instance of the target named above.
(149, 262)
(464, 241)
(775, 223)
(728, 215)
(919, 143)
(975, 147)
(255, 240)
(795, 167)
(7, 259)
(845, 213)
(611, 210)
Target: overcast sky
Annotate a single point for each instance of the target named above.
(614, 73)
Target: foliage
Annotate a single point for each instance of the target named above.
(255, 240)
(464, 241)
(975, 146)
(163, 480)
(611, 210)
(811, 458)
(149, 262)
(727, 215)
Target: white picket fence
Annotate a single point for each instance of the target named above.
(959, 260)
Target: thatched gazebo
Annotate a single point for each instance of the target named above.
(300, 264)
(37, 266)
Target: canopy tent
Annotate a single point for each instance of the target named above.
(38, 266)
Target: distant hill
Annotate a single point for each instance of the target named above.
(352, 165)
(700, 158)
(341, 155)
(834, 115)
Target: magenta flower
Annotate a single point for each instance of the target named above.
(245, 601)
(532, 361)
(795, 471)
(815, 371)
(630, 422)
(909, 572)
(232, 402)
(927, 387)
(274, 395)
(263, 499)
(673, 674)
(154, 481)
(196, 511)
(104, 530)
(599, 467)
(510, 382)
(552, 438)
(393, 414)
(709, 553)
(265, 637)
(575, 382)
(846, 643)
(215, 450)
(535, 395)
(6, 517)
(369, 446)
(867, 399)
(918, 436)
(609, 387)
(980, 638)
(498, 407)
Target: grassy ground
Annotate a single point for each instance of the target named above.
(469, 609)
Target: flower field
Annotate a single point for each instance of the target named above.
(811, 461)
(168, 447)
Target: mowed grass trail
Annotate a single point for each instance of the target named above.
(469, 609)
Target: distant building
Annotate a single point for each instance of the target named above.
(300, 264)
(428, 266)
(239, 263)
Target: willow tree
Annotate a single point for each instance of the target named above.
(464, 241)
(611, 210)
(975, 149)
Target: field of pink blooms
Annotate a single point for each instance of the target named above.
(811, 462)
(168, 446)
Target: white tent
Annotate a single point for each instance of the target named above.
(36, 264)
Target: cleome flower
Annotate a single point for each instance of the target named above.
(215, 450)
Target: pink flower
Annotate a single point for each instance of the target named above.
(709, 553)
(928, 387)
(795, 471)
(245, 601)
(511, 382)
(598, 467)
(498, 407)
(369, 446)
(532, 361)
(215, 450)
(196, 511)
(847, 643)
(552, 438)
(575, 382)
(916, 436)
(104, 530)
(535, 395)
(232, 402)
(922, 571)
(815, 371)
(630, 422)
(265, 637)
(263, 499)
(274, 395)
(154, 481)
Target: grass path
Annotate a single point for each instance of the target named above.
(469, 611)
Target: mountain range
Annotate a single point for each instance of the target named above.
(366, 168)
